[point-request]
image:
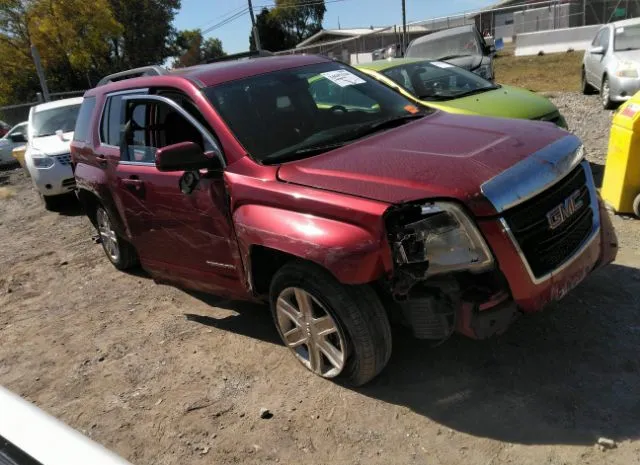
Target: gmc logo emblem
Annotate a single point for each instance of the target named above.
(561, 213)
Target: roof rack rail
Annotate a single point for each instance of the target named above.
(239, 56)
(133, 73)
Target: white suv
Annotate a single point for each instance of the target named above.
(47, 157)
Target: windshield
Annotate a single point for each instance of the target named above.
(299, 112)
(47, 122)
(463, 44)
(627, 38)
(436, 80)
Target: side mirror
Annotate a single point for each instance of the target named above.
(599, 50)
(18, 138)
(490, 50)
(185, 156)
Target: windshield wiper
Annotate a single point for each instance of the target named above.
(381, 125)
(301, 153)
(477, 91)
(451, 57)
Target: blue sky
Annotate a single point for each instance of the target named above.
(351, 13)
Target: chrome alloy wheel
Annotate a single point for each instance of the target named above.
(310, 331)
(107, 235)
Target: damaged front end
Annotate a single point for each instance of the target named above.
(444, 277)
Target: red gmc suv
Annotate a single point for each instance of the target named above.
(301, 181)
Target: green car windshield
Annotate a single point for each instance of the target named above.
(437, 80)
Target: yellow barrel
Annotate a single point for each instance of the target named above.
(621, 182)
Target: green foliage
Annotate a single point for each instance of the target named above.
(147, 35)
(273, 36)
(191, 49)
(71, 37)
(300, 18)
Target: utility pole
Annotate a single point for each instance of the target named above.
(256, 36)
(40, 71)
(404, 27)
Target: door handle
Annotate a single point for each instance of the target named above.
(102, 160)
(133, 183)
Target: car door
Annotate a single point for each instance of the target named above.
(593, 60)
(182, 238)
(599, 61)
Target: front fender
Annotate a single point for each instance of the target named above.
(351, 253)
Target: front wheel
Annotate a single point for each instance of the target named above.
(605, 94)
(336, 331)
(118, 251)
(636, 206)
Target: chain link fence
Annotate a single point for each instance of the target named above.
(503, 22)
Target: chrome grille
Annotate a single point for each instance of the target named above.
(546, 247)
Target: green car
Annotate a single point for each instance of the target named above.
(447, 87)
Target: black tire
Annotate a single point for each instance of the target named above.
(357, 311)
(607, 103)
(126, 256)
(51, 202)
(636, 206)
(587, 89)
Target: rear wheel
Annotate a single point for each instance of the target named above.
(336, 331)
(605, 94)
(587, 89)
(118, 251)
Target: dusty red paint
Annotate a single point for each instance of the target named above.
(327, 209)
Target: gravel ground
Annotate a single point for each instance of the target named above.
(166, 377)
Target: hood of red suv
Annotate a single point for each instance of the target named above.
(439, 156)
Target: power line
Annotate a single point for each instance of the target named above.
(238, 15)
(318, 2)
(223, 16)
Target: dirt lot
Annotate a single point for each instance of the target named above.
(164, 377)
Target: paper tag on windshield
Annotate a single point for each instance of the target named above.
(343, 78)
(441, 64)
(619, 30)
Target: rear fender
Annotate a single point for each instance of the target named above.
(351, 253)
(93, 181)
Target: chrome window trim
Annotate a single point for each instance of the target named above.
(135, 163)
(595, 232)
(205, 133)
(534, 174)
(143, 92)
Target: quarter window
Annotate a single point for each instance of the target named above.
(83, 122)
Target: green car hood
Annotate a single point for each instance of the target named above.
(505, 102)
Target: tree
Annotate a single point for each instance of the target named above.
(191, 49)
(148, 34)
(300, 18)
(71, 36)
(273, 36)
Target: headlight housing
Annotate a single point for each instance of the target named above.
(42, 162)
(627, 69)
(444, 238)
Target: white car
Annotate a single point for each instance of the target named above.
(48, 158)
(16, 137)
(29, 436)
